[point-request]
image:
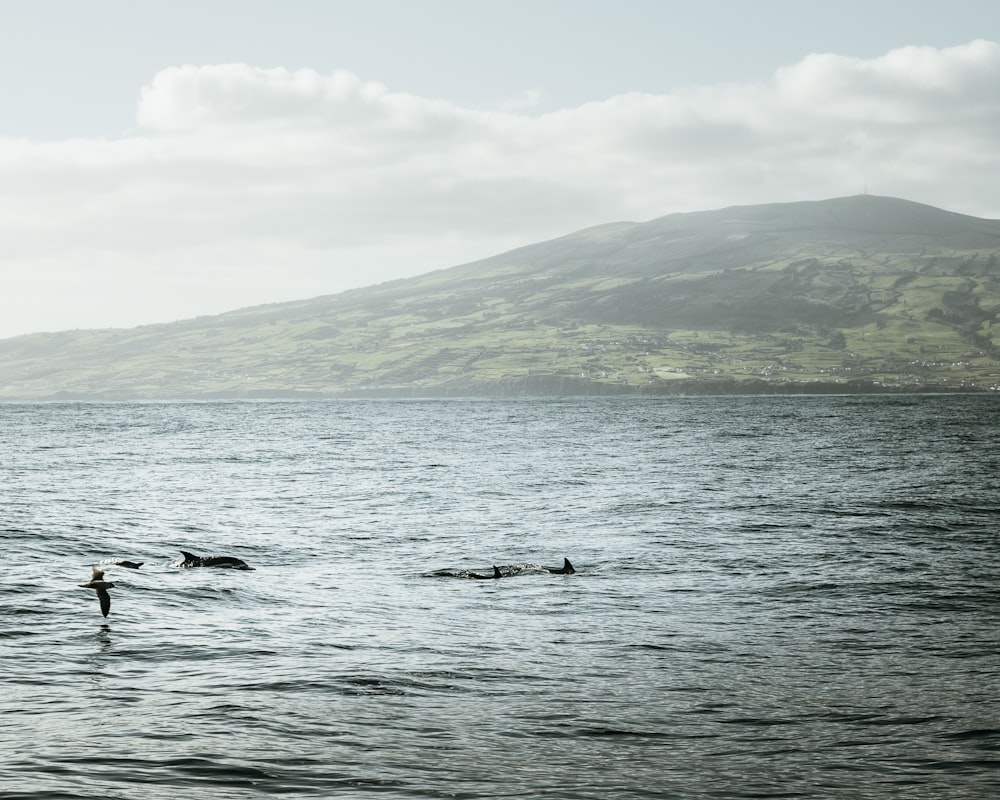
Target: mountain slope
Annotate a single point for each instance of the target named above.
(863, 291)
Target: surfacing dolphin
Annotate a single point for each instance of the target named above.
(478, 576)
(121, 562)
(565, 569)
(101, 586)
(226, 562)
(507, 571)
(449, 573)
(511, 570)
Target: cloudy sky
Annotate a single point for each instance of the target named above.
(163, 160)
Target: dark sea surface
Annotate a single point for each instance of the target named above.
(774, 597)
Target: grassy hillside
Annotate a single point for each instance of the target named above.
(859, 292)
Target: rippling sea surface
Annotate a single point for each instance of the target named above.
(774, 597)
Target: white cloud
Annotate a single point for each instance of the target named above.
(909, 86)
(243, 185)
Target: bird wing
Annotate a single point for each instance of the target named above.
(105, 598)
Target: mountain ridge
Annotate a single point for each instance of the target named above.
(861, 292)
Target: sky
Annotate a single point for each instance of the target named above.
(162, 161)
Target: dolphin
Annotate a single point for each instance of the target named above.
(447, 573)
(227, 562)
(508, 571)
(101, 586)
(121, 562)
(496, 574)
(565, 569)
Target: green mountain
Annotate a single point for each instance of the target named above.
(850, 294)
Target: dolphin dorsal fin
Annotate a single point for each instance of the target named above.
(496, 572)
(567, 567)
(187, 555)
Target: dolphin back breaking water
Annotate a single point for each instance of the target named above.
(506, 571)
(225, 562)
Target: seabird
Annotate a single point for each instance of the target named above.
(101, 586)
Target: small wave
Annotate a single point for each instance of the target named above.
(975, 734)
(760, 722)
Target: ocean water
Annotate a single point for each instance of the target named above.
(774, 597)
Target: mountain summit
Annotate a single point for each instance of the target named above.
(854, 293)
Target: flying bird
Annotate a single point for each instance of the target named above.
(101, 586)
